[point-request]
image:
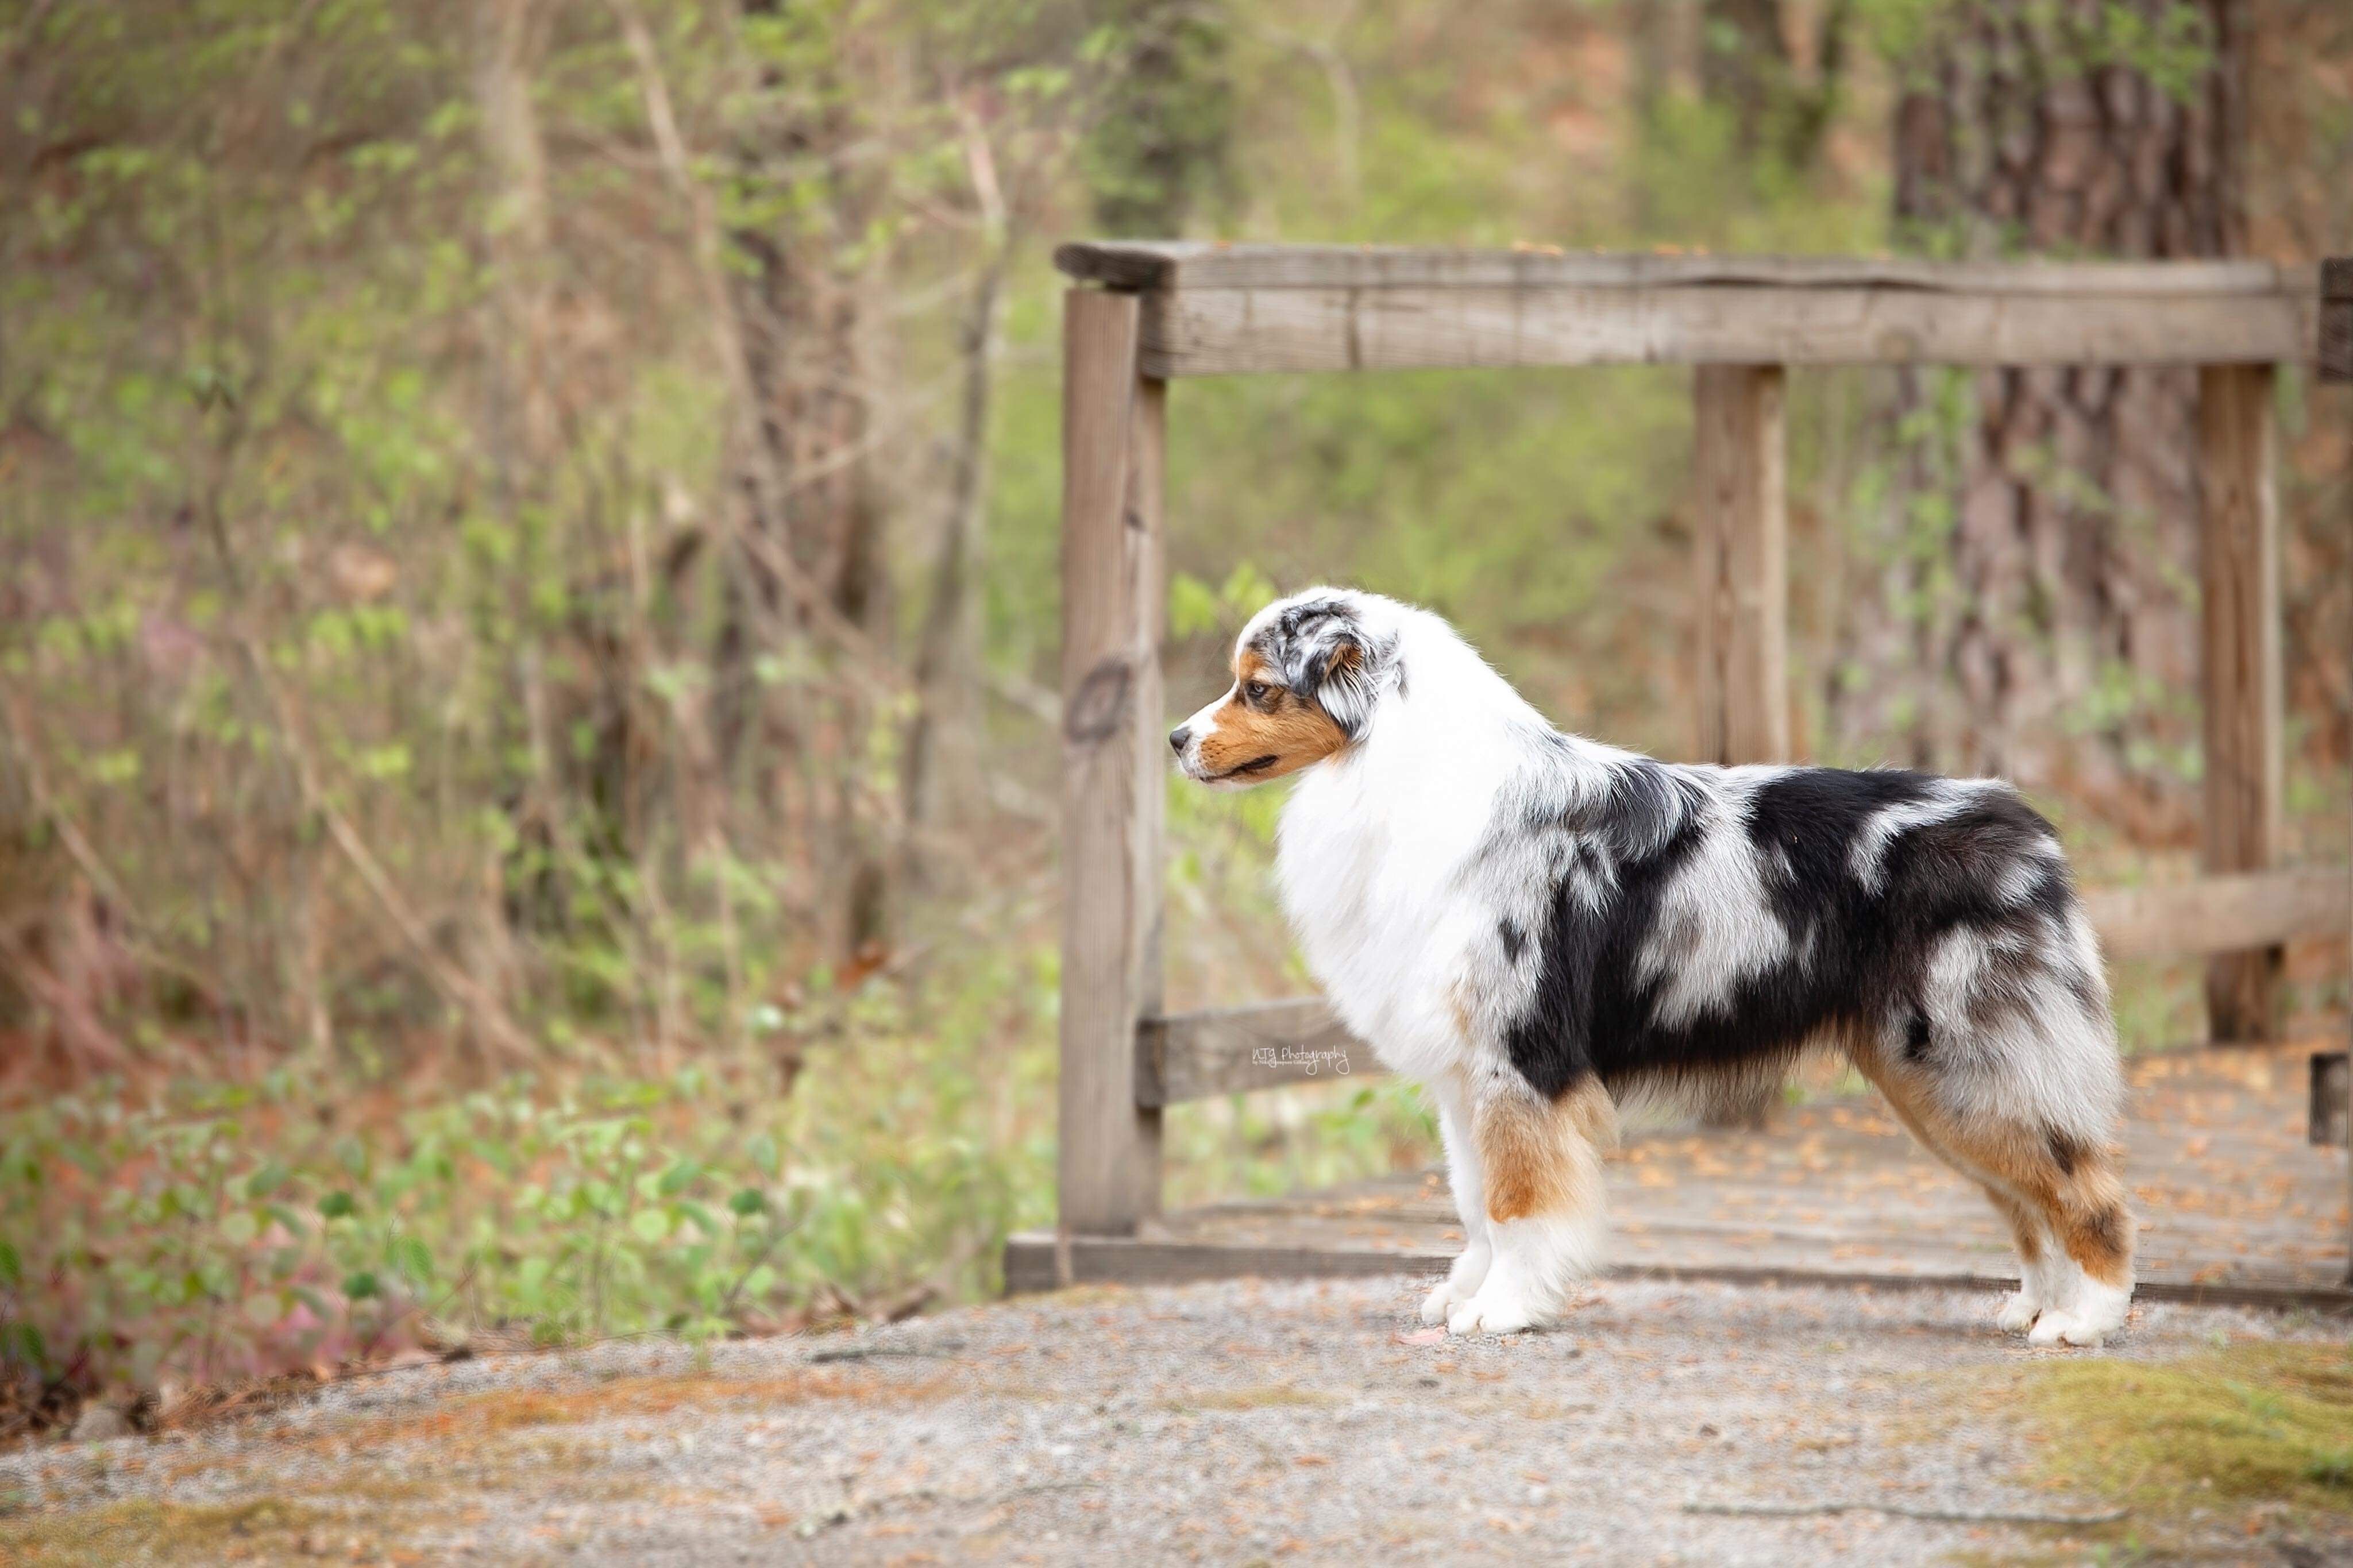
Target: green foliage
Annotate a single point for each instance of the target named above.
(212, 1232)
(1161, 140)
(2169, 41)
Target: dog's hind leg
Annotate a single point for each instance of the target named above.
(2035, 1247)
(2063, 1197)
(1541, 1163)
(2040, 1279)
(1463, 1175)
(2081, 1198)
(2072, 1187)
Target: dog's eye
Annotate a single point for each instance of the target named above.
(1256, 692)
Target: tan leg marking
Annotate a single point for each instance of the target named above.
(1543, 1158)
(2072, 1186)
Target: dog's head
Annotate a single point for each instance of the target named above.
(1308, 672)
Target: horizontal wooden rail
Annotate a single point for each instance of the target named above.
(2223, 914)
(1147, 265)
(1210, 311)
(1277, 1045)
(2337, 319)
(1228, 1050)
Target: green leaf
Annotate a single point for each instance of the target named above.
(759, 1282)
(764, 1155)
(1192, 605)
(361, 1286)
(338, 1206)
(649, 1226)
(12, 1268)
(409, 1255)
(748, 1201)
(238, 1228)
(22, 1343)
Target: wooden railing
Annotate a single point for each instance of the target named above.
(1245, 308)
(1144, 314)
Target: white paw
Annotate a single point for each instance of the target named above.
(1461, 1283)
(2018, 1313)
(2054, 1326)
(2099, 1311)
(1490, 1312)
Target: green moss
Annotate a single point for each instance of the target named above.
(143, 1530)
(2253, 1422)
(1259, 1396)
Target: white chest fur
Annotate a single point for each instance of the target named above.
(1369, 859)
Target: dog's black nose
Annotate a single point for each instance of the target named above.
(1176, 739)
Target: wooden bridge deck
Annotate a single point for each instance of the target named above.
(2235, 1205)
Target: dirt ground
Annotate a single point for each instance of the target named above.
(1230, 1422)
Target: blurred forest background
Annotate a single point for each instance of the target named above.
(528, 528)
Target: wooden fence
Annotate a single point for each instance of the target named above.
(1143, 314)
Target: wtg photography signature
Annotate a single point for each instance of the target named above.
(1308, 1063)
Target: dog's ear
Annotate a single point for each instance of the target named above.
(1330, 662)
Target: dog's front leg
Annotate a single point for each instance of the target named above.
(1470, 1270)
(1540, 1162)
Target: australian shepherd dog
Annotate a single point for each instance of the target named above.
(1537, 927)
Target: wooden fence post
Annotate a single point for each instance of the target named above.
(1742, 535)
(1115, 757)
(2336, 366)
(1742, 530)
(2239, 565)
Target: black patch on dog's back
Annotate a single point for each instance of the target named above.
(1859, 946)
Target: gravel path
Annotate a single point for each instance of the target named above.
(1216, 1423)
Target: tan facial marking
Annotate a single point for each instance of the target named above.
(1283, 735)
(1544, 1158)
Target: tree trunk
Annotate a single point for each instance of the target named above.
(943, 740)
(804, 326)
(1781, 105)
(1162, 141)
(1744, 60)
(2048, 548)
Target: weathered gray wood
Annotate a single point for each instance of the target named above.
(2223, 914)
(2238, 567)
(1129, 1260)
(2331, 1117)
(1139, 264)
(1224, 332)
(1743, 559)
(1232, 1050)
(2337, 319)
(1108, 1168)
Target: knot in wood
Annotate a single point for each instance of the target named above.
(1099, 707)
